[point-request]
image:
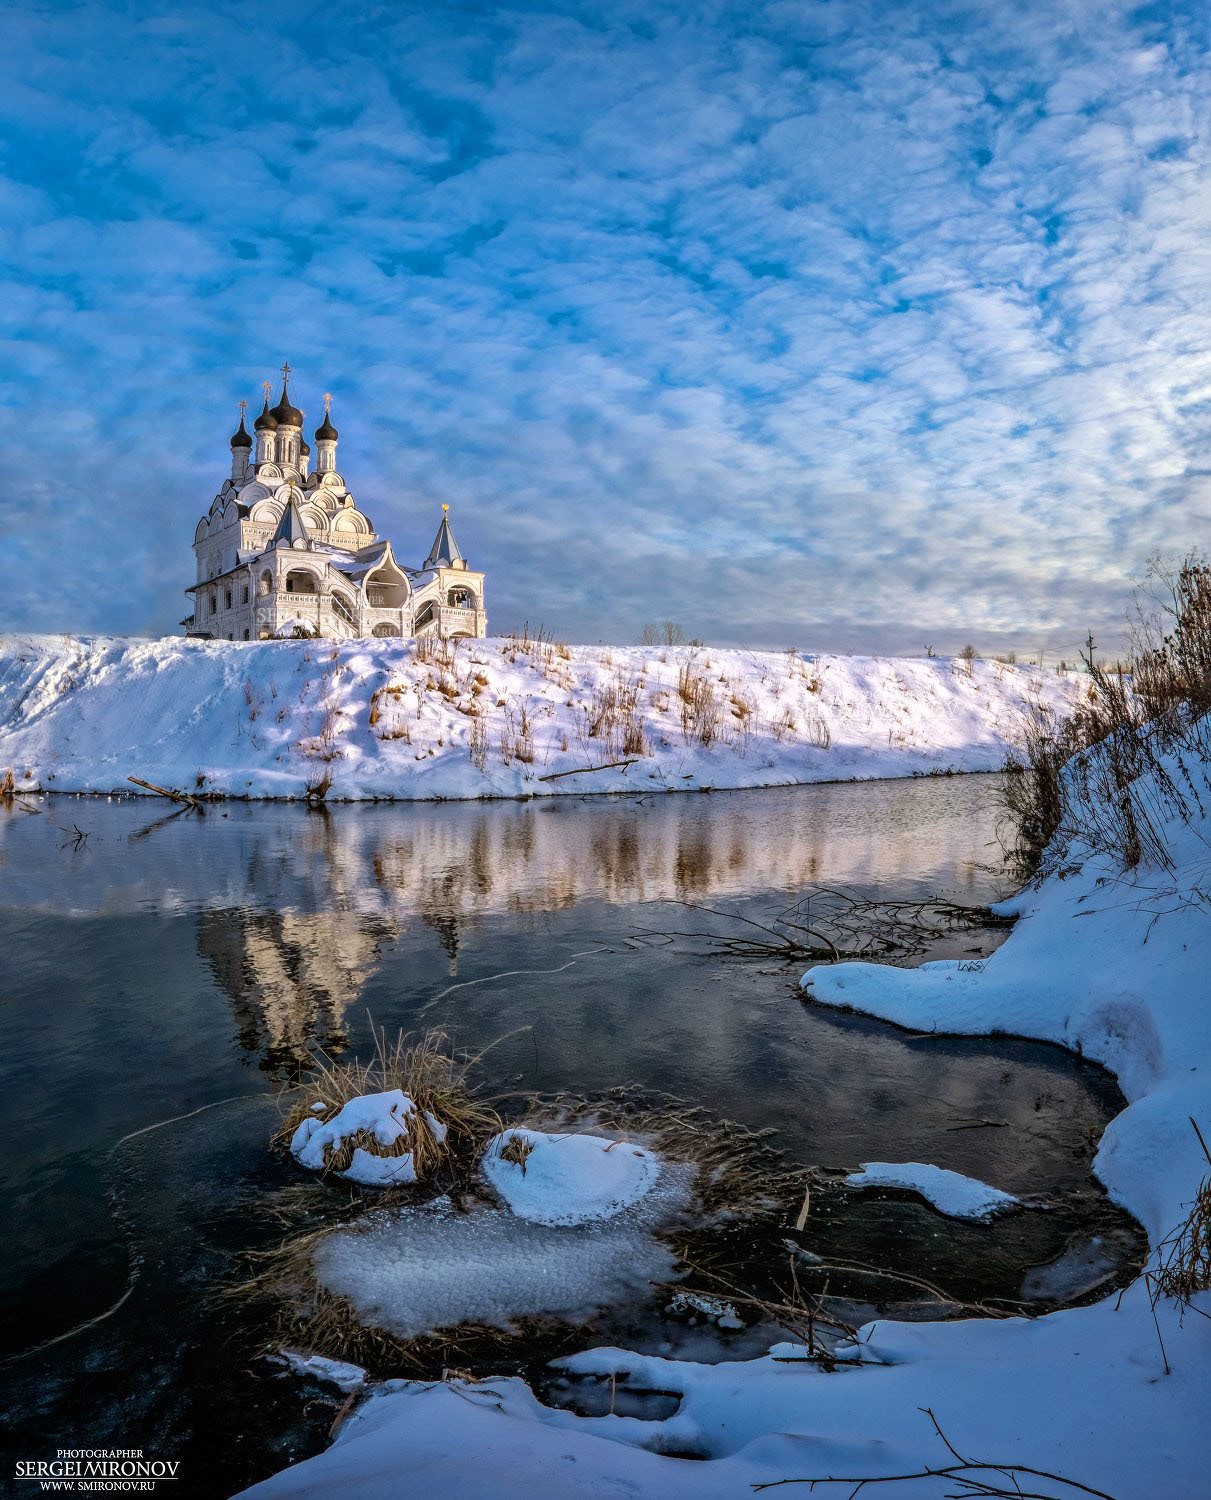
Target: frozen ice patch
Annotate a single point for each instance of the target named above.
(552, 1178)
(418, 1269)
(950, 1193)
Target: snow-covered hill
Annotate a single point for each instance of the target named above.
(495, 718)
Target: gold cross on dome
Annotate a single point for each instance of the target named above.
(266, 386)
(243, 409)
(285, 373)
(327, 402)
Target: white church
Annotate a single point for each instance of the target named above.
(285, 551)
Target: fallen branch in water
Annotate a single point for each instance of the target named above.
(831, 924)
(584, 770)
(163, 791)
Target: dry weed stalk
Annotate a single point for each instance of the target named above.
(1135, 754)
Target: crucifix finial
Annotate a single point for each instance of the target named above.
(243, 409)
(327, 402)
(285, 372)
(266, 386)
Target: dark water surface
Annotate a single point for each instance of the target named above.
(176, 969)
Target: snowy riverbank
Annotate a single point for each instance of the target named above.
(1113, 966)
(495, 718)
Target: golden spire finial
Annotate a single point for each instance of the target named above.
(285, 372)
(445, 508)
(243, 409)
(327, 402)
(266, 386)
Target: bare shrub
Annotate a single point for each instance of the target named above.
(819, 735)
(662, 633)
(477, 742)
(700, 711)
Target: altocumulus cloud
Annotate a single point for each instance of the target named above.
(839, 324)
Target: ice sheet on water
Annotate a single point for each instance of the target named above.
(426, 1267)
(951, 1193)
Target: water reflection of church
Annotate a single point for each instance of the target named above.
(317, 897)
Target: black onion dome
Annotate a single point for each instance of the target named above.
(326, 432)
(266, 422)
(303, 449)
(284, 414)
(240, 438)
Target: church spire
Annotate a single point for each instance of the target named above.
(444, 552)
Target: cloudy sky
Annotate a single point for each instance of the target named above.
(836, 323)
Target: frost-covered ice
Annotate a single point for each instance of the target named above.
(387, 1117)
(429, 1267)
(1116, 967)
(270, 719)
(950, 1193)
(569, 1178)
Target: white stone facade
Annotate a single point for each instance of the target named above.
(285, 551)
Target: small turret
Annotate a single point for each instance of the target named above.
(444, 552)
(325, 440)
(265, 428)
(241, 447)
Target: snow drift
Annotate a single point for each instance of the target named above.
(495, 718)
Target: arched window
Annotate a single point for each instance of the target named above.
(301, 581)
(461, 599)
(214, 603)
(226, 598)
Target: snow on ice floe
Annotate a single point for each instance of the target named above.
(951, 1193)
(567, 1178)
(338, 1372)
(388, 1117)
(428, 1266)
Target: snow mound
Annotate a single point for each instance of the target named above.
(551, 1178)
(951, 1193)
(428, 1267)
(380, 1119)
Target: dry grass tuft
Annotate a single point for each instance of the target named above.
(423, 1069)
(518, 1150)
(1184, 1258)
